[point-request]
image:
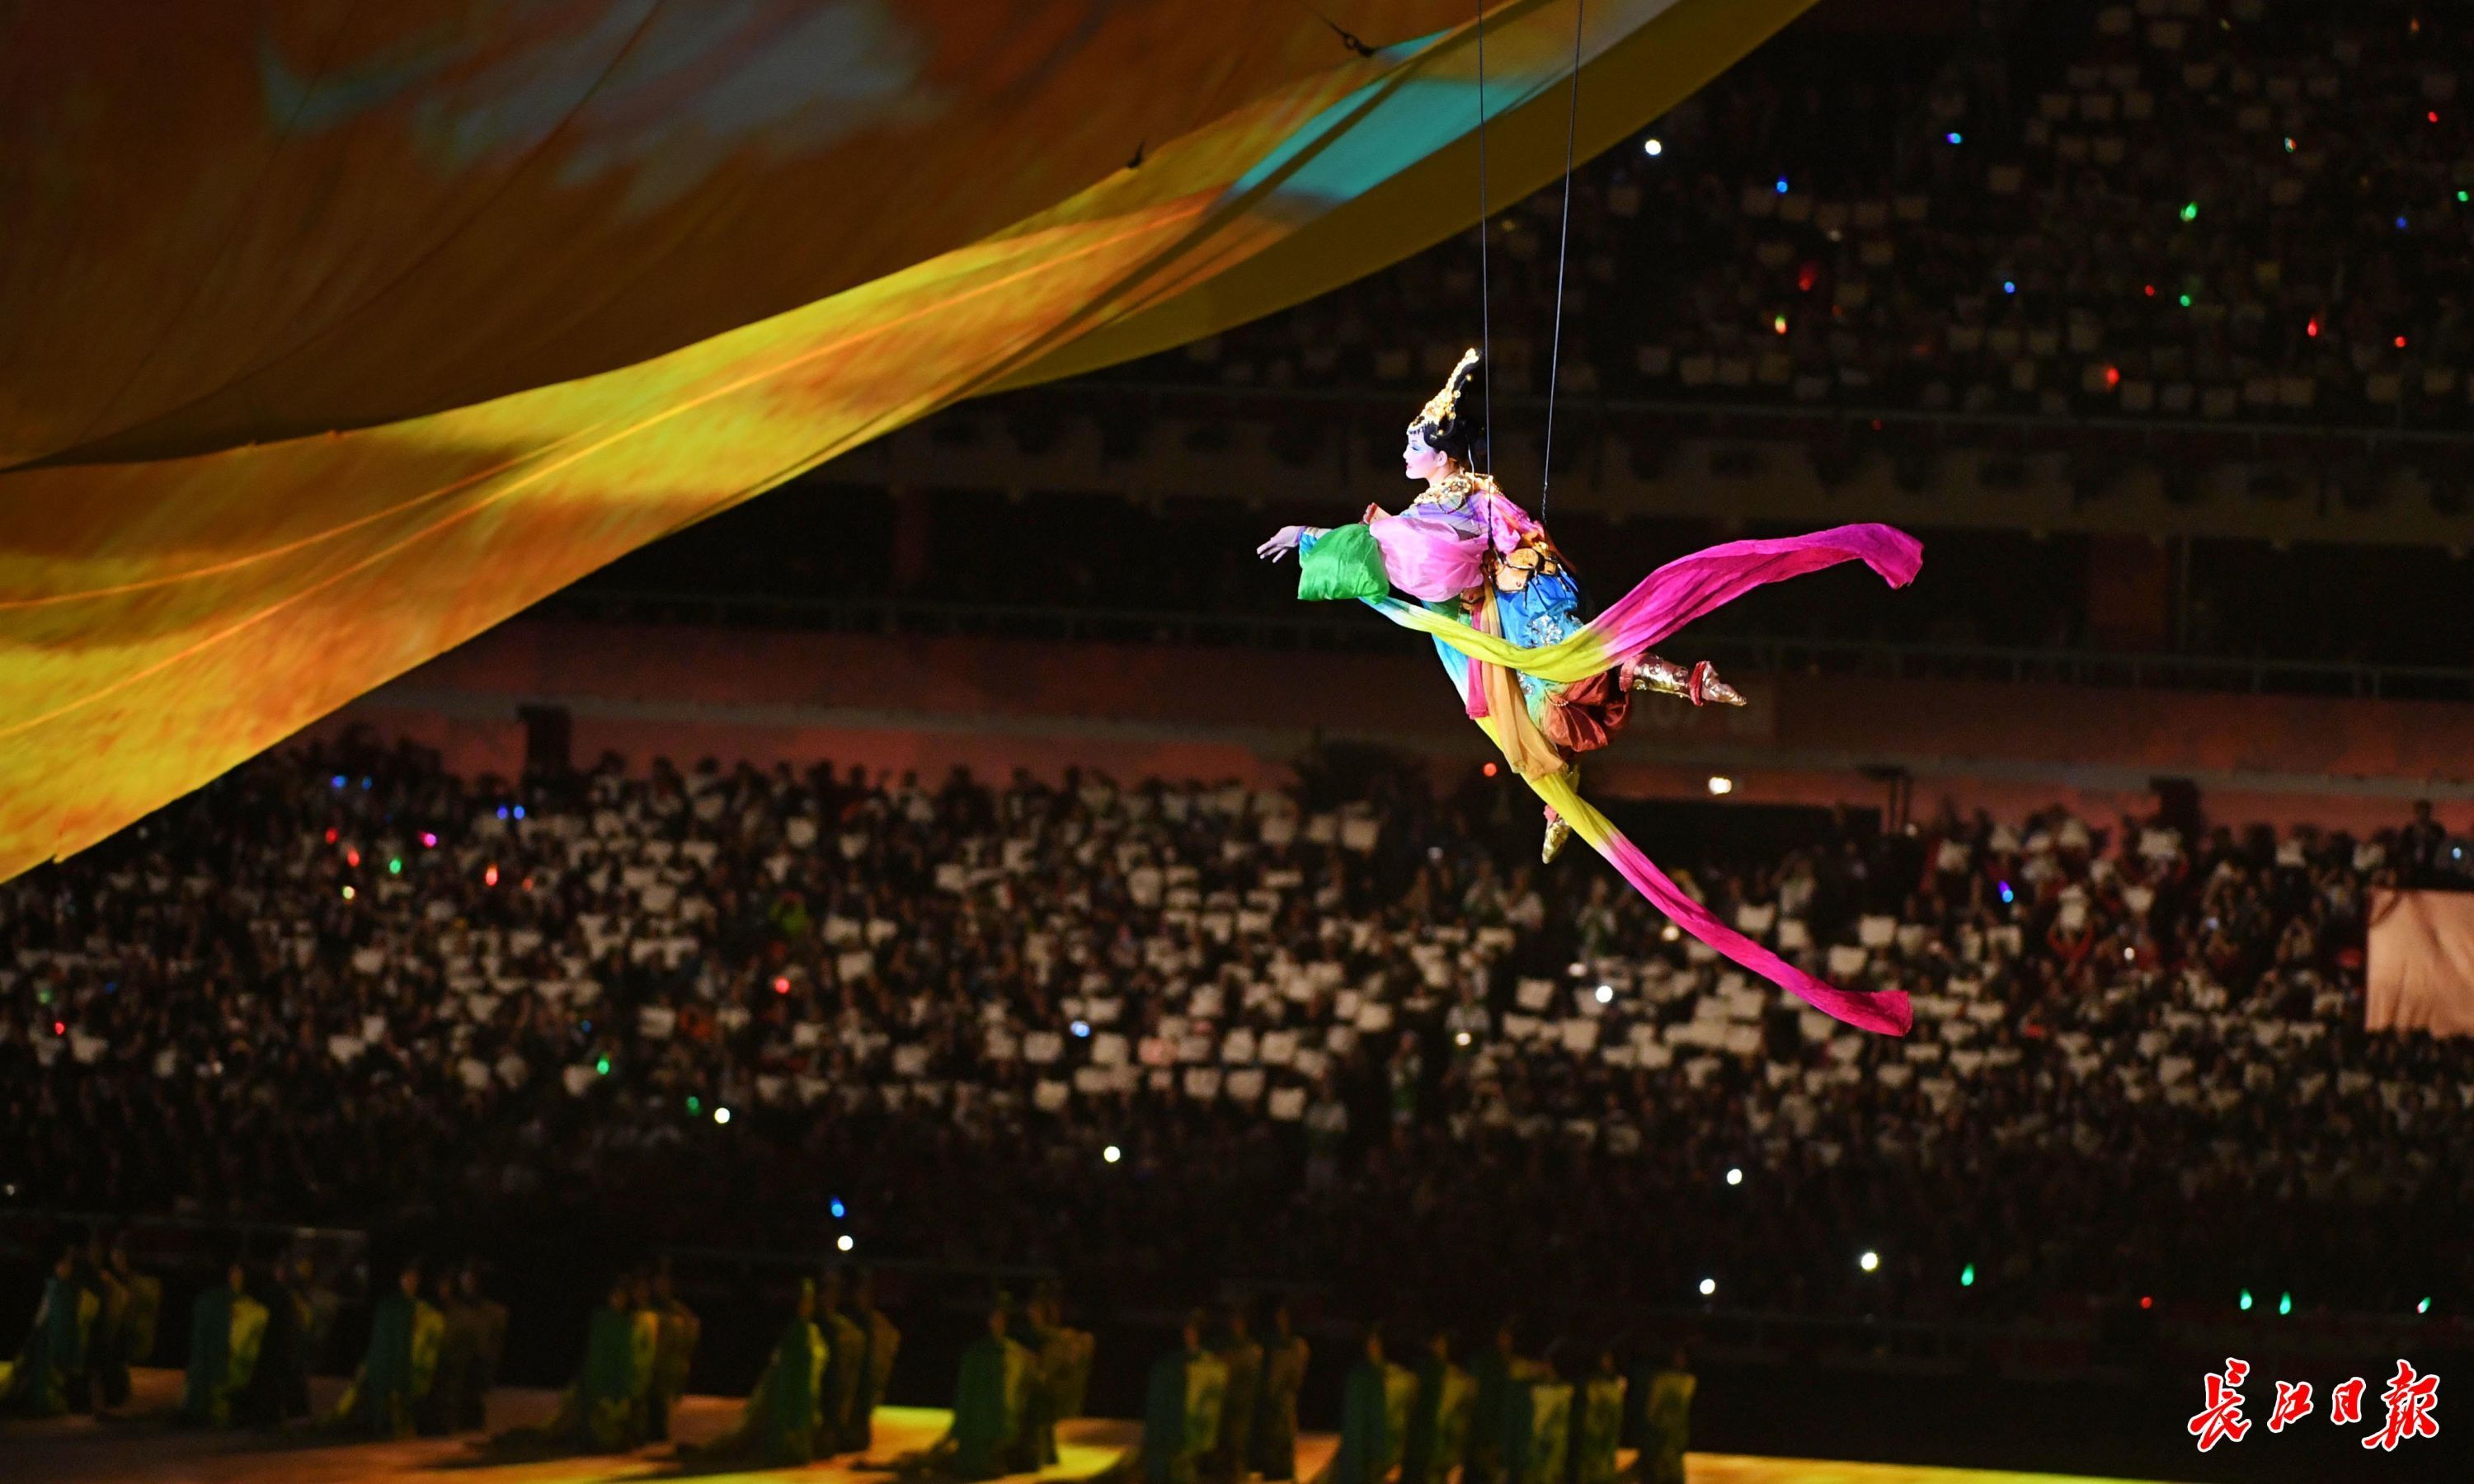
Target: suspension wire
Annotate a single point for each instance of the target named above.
(1485, 305)
(1555, 356)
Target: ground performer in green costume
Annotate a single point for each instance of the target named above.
(227, 1328)
(1181, 1414)
(991, 1395)
(845, 1365)
(603, 1410)
(1439, 1427)
(1597, 1423)
(400, 1364)
(1275, 1421)
(777, 1429)
(1666, 1419)
(1243, 1359)
(38, 1383)
(676, 1331)
(1370, 1435)
(883, 1343)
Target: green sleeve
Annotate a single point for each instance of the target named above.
(1343, 563)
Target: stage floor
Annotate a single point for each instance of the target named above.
(131, 1449)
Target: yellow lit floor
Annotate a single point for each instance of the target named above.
(137, 1449)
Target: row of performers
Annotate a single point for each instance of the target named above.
(1504, 1419)
(254, 1344)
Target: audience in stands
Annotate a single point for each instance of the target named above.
(2176, 210)
(1302, 1037)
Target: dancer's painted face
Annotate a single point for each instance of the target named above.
(1421, 461)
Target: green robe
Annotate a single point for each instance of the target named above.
(459, 1342)
(1664, 1420)
(883, 1343)
(777, 1429)
(1275, 1421)
(603, 1410)
(226, 1330)
(133, 1338)
(991, 1397)
(1374, 1409)
(1052, 1354)
(1491, 1372)
(1537, 1448)
(1439, 1427)
(838, 1396)
(38, 1383)
(1181, 1416)
(397, 1370)
(1243, 1363)
(1597, 1432)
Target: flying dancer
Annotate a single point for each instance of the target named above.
(1493, 592)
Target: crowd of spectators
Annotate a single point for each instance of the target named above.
(1157, 1034)
(2192, 210)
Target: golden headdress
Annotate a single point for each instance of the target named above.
(1445, 405)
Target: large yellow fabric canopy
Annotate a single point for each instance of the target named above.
(332, 333)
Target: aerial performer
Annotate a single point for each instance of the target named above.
(1501, 602)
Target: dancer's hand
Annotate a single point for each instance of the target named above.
(1283, 542)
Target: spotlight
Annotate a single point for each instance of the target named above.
(843, 1242)
(1735, 1176)
(1871, 1261)
(721, 1115)
(1082, 1028)
(1112, 1154)
(1606, 994)
(1720, 783)
(1652, 148)
(1709, 1287)
(1460, 1040)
